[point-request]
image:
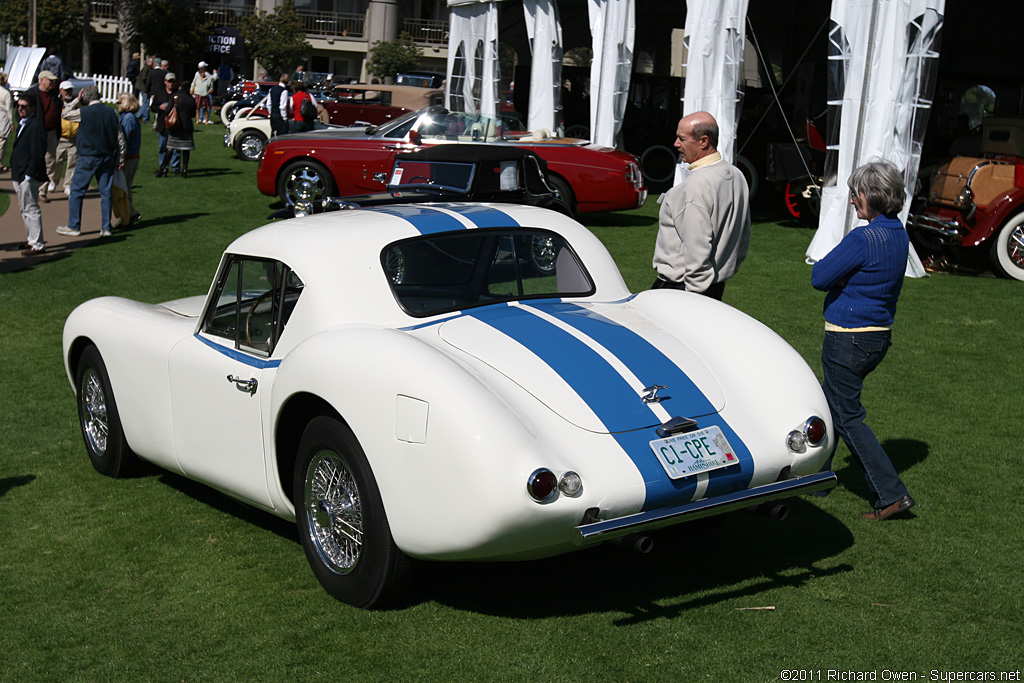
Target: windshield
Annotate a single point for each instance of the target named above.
(452, 271)
(436, 174)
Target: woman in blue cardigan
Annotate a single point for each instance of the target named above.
(863, 276)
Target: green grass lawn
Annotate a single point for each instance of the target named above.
(157, 578)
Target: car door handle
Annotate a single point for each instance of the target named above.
(244, 384)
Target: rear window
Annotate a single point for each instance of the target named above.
(452, 271)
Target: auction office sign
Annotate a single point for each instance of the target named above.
(226, 42)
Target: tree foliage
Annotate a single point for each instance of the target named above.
(388, 59)
(58, 22)
(277, 40)
(174, 32)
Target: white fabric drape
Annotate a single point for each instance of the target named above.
(714, 34)
(612, 27)
(882, 59)
(473, 26)
(545, 33)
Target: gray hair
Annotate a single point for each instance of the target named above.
(88, 94)
(881, 182)
(709, 128)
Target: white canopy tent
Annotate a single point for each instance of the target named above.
(473, 72)
(714, 35)
(545, 33)
(612, 27)
(882, 60)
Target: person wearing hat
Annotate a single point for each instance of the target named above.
(202, 86)
(70, 118)
(161, 104)
(48, 108)
(131, 72)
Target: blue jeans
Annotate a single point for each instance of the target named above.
(144, 108)
(90, 165)
(175, 154)
(846, 359)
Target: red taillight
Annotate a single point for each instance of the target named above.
(541, 484)
(816, 430)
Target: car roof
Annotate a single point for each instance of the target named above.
(340, 251)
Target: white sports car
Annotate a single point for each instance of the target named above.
(447, 382)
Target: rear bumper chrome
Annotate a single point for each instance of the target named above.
(589, 534)
(949, 232)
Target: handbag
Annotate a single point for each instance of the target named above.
(308, 109)
(171, 121)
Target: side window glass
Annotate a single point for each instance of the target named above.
(252, 303)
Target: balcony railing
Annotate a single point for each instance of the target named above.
(332, 24)
(220, 14)
(427, 31)
(103, 10)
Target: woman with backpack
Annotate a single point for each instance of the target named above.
(304, 109)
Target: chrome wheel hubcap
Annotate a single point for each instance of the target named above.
(95, 422)
(252, 147)
(305, 184)
(334, 514)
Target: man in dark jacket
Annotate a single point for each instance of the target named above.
(140, 88)
(97, 156)
(28, 169)
(48, 107)
(155, 79)
(278, 106)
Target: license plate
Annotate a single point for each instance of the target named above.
(702, 450)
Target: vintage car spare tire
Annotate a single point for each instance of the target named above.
(304, 180)
(98, 418)
(1008, 248)
(249, 144)
(341, 520)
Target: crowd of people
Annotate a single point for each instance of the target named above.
(59, 138)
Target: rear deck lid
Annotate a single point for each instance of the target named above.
(591, 365)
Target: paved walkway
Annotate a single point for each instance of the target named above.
(55, 212)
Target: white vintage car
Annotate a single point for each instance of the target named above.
(447, 382)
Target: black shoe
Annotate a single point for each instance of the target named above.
(161, 173)
(184, 174)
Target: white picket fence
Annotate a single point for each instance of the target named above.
(109, 86)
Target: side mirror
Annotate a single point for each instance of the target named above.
(414, 137)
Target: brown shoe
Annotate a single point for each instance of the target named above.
(901, 505)
(34, 252)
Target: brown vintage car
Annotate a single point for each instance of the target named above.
(975, 204)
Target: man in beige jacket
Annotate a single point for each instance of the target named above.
(704, 222)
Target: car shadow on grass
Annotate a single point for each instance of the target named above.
(689, 567)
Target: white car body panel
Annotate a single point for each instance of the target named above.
(452, 411)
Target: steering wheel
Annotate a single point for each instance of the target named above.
(252, 309)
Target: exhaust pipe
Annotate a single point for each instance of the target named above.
(772, 508)
(636, 542)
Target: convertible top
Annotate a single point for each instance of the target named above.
(469, 153)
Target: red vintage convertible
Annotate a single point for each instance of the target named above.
(975, 206)
(328, 163)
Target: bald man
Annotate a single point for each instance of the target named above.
(704, 222)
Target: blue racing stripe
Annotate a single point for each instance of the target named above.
(425, 219)
(613, 400)
(483, 216)
(241, 357)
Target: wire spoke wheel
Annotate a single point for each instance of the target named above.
(335, 513)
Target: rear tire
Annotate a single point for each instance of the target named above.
(99, 420)
(1008, 248)
(564, 193)
(341, 519)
